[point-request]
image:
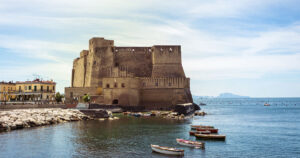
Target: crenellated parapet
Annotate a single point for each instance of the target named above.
(174, 82)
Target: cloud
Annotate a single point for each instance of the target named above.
(216, 42)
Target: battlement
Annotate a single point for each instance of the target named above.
(100, 42)
(150, 82)
(84, 53)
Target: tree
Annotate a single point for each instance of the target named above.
(58, 97)
(86, 98)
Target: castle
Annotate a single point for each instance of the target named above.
(149, 77)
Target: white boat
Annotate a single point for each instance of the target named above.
(189, 143)
(167, 150)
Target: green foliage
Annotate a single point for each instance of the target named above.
(58, 97)
(86, 98)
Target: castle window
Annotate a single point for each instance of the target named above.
(116, 64)
(156, 84)
(116, 85)
(123, 85)
(107, 85)
(115, 101)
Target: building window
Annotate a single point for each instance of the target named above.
(116, 85)
(35, 88)
(47, 88)
(29, 87)
(42, 88)
(19, 88)
(116, 64)
(123, 85)
(53, 88)
(107, 85)
(170, 84)
(156, 84)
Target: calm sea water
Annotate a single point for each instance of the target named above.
(252, 130)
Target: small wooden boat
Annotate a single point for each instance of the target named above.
(212, 130)
(200, 126)
(192, 133)
(189, 143)
(167, 150)
(211, 136)
(266, 104)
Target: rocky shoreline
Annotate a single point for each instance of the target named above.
(24, 118)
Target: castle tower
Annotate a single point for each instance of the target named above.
(100, 60)
(166, 61)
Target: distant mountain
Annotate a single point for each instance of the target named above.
(230, 95)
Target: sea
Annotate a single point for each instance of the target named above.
(252, 130)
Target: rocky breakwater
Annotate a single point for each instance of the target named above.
(24, 118)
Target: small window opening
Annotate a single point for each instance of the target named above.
(116, 85)
(123, 85)
(115, 101)
(107, 85)
(116, 64)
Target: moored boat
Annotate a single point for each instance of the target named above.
(167, 150)
(200, 126)
(192, 133)
(189, 143)
(266, 104)
(212, 130)
(211, 136)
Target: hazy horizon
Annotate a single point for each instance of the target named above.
(245, 47)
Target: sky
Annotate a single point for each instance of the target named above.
(246, 47)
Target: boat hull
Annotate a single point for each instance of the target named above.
(158, 149)
(212, 130)
(210, 136)
(192, 133)
(195, 143)
(194, 127)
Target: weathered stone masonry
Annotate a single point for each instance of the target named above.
(152, 77)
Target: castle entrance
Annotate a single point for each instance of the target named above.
(115, 101)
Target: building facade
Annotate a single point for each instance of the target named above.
(36, 90)
(7, 91)
(129, 76)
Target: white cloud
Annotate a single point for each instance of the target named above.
(206, 55)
